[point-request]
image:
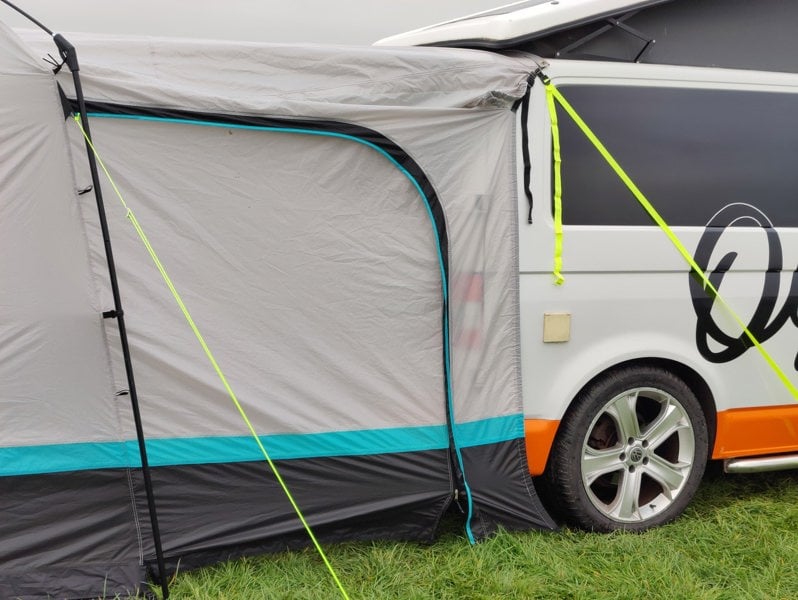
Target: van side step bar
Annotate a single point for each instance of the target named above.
(761, 464)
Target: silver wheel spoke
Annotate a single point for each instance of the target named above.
(638, 455)
(669, 422)
(626, 504)
(624, 413)
(596, 463)
(670, 476)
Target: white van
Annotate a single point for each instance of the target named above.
(634, 376)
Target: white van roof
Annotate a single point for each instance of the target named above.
(514, 23)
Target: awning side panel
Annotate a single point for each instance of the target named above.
(67, 534)
(485, 337)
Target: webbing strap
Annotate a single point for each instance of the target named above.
(552, 94)
(557, 158)
(162, 270)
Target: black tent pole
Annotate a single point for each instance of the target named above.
(70, 57)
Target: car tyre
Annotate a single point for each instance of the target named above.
(630, 452)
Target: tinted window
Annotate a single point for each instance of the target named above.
(691, 152)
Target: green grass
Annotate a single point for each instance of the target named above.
(738, 540)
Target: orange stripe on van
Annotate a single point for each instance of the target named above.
(539, 436)
(756, 431)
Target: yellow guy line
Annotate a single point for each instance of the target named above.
(211, 358)
(552, 94)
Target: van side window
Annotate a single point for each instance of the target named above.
(690, 151)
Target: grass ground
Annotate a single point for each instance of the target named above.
(738, 540)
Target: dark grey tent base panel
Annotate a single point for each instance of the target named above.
(207, 513)
(216, 512)
(74, 582)
(360, 529)
(503, 493)
(72, 534)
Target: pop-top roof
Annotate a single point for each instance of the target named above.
(514, 23)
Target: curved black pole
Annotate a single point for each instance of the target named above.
(69, 55)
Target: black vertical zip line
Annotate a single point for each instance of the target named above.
(69, 55)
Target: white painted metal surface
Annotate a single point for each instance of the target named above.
(519, 20)
(626, 287)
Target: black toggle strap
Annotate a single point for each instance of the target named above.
(525, 141)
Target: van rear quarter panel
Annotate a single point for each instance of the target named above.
(627, 288)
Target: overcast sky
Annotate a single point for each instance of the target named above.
(301, 21)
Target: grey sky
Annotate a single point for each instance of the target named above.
(301, 21)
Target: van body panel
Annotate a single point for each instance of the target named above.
(538, 437)
(756, 431)
(628, 291)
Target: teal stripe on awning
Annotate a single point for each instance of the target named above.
(162, 452)
(29, 460)
(490, 431)
(58, 458)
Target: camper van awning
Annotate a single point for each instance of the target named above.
(342, 224)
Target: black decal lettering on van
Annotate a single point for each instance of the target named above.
(762, 324)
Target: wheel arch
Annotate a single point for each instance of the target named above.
(687, 374)
(559, 488)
